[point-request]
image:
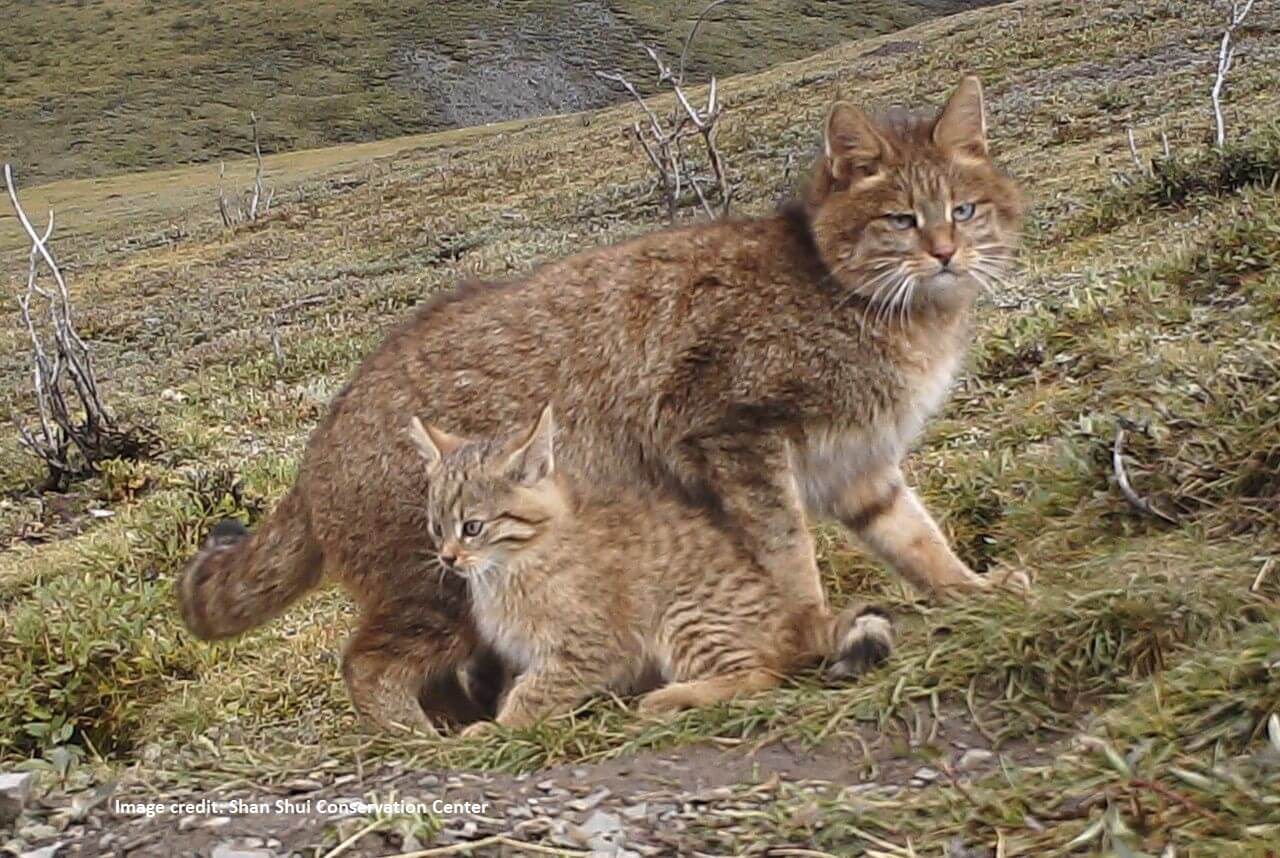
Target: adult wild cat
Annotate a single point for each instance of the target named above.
(753, 368)
(589, 595)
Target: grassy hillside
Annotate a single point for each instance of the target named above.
(95, 88)
(1134, 689)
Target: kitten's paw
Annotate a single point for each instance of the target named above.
(669, 698)
(864, 641)
(479, 728)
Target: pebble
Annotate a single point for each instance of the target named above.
(225, 850)
(38, 831)
(301, 785)
(15, 792)
(926, 775)
(43, 851)
(974, 758)
(216, 822)
(582, 805)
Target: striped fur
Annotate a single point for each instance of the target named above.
(588, 595)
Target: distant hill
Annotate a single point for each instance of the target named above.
(95, 87)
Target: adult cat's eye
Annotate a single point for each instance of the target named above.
(901, 221)
(472, 527)
(964, 211)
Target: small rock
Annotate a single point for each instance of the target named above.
(546, 786)
(926, 774)
(187, 823)
(636, 812)
(216, 822)
(974, 758)
(582, 805)
(43, 852)
(601, 822)
(38, 831)
(226, 850)
(302, 785)
(15, 792)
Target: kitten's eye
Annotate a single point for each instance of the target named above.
(964, 211)
(901, 221)
(472, 527)
(436, 531)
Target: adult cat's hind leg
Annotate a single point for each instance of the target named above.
(704, 692)
(400, 667)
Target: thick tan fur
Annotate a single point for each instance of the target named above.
(587, 595)
(751, 370)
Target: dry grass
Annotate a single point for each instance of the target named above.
(1158, 642)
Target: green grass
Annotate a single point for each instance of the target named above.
(1157, 302)
(95, 88)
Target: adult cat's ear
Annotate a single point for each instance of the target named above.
(532, 458)
(852, 142)
(434, 444)
(961, 127)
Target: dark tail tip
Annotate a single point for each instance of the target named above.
(866, 644)
(229, 531)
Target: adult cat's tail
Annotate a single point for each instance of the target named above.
(240, 580)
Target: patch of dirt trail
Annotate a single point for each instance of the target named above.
(649, 804)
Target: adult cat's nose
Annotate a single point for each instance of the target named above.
(943, 253)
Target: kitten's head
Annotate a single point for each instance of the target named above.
(489, 500)
(908, 210)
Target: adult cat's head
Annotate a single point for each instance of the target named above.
(491, 500)
(908, 210)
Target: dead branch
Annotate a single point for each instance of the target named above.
(1226, 54)
(255, 202)
(1122, 479)
(664, 139)
(62, 366)
(688, 40)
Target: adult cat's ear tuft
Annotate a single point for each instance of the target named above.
(532, 459)
(961, 127)
(434, 444)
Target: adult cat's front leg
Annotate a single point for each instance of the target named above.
(747, 483)
(888, 516)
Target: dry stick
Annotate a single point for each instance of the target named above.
(1226, 54)
(1122, 479)
(1133, 150)
(1267, 566)
(688, 40)
(1174, 795)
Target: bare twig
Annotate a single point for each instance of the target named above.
(1267, 566)
(665, 138)
(1122, 479)
(61, 364)
(256, 201)
(1226, 54)
(1133, 150)
(688, 40)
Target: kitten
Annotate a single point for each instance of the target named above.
(754, 370)
(584, 595)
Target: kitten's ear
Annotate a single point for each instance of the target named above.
(962, 125)
(852, 142)
(433, 443)
(532, 458)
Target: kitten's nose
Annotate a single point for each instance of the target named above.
(449, 559)
(943, 253)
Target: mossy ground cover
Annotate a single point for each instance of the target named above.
(1146, 662)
